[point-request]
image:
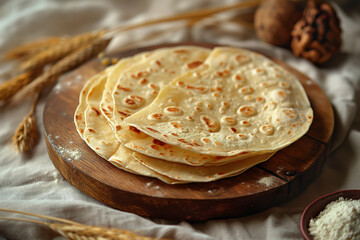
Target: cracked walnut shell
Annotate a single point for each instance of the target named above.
(316, 36)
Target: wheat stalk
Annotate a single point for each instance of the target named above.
(73, 230)
(10, 87)
(27, 134)
(31, 48)
(64, 65)
(60, 50)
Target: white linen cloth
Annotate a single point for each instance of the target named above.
(33, 184)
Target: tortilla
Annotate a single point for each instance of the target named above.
(97, 133)
(152, 147)
(107, 102)
(124, 159)
(188, 173)
(139, 85)
(79, 117)
(237, 101)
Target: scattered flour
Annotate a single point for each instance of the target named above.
(211, 191)
(66, 152)
(79, 77)
(267, 181)
(69, 154)
(339, 220)
(64, 85)
(309, 82)
(58, 88)
(57, 176)
(152, 185)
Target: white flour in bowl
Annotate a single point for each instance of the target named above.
(339, 220)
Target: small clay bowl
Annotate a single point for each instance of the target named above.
(315, 207)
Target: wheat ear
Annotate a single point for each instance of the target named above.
(73, 230)
(10, 87)
(66, 64)
(29, 49)
(27, 134)
(58, 51)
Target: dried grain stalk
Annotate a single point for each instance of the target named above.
(32, 48)
(10, 87)
(60, 50)
(73, 230)
(66, 64)
(27, 135)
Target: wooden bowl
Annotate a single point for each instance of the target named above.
(315, 207)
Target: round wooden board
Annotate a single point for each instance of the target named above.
(288, 172)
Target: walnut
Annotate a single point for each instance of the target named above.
(274, 20)
(316, 36)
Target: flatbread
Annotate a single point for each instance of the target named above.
(152, 147)
(237, 101)
(107, 102)
(188, 173)
(97, 133)
(79, 117)
(123, 158)
(142, 81)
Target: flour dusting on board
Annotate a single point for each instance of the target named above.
(66, 152)
(63, 85)
(152, 185)
(267, 181)
(79, 77)
(69, 154)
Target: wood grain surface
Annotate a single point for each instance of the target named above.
(289, 171)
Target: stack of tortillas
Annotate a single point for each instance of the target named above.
(191, 114)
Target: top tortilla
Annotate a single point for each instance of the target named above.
(139, 85)
(237, 101)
